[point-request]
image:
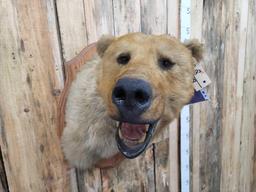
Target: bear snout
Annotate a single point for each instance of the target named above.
(132, 97)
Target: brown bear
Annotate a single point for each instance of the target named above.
(125, 96)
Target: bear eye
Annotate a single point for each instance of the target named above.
(165, 63)
(123, 58)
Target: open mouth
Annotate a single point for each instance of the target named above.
(133, 139)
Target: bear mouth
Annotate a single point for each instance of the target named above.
(132, 139)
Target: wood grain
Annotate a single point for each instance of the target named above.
(154, 16)
(210, 119)
(173, 20)
(29, 88)
(173, 159)
(126, 16)
(131, 175)
(72, 27)
(247, 175)
(99, 19)
(161, 153)
(224, 129)
(33, 43)
(196, 32)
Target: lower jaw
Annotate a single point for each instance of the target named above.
(134, 151)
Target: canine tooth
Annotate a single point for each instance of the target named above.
(120, 134)
(147, 127)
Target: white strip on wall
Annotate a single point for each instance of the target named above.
(185, 18)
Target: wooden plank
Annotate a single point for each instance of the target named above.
(247, 176)
(99, 19)
(72, 26)
(173, 20)
(28, 90)
(126, 16)
(154, 16)
(232, 97)
(206, 117)
(131, 175)
(226, 136)
(174, 162)
(196, 32)
(161, 154)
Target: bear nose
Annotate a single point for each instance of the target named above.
(132, 96)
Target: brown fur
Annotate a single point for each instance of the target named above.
(90, 131)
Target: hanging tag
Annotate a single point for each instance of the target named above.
(199, 96)
(201, 79)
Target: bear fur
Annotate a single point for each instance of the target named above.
(89, 135)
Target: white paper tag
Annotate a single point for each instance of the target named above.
(201, 79)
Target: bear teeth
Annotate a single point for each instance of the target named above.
(132, 142)
(147, 127)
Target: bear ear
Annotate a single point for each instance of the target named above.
(196, 48)
(104, 43)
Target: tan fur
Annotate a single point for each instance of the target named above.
(90, 132)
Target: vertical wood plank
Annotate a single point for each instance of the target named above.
(99, 19)
(29, 86)
(173, 21)
(247, 175)
(196, 32)
(161, 153)
(154, 16)
(126, 16)
(131, 175)
(226, 136)
(72, 26)
(207, 122)
(173, 160)
(232, 97)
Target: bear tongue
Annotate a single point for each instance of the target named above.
(133, 131)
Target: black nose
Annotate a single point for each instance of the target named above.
(132, 96)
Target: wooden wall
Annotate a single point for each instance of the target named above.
(38, 37)
(224, 135)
